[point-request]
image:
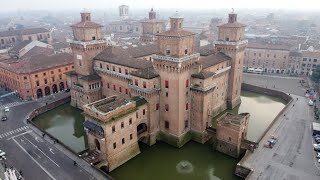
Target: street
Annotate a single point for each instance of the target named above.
(32, 154)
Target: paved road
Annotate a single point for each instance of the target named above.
(286, 84)
(27, 151)
(293, 156)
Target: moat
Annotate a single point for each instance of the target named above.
(162, 161)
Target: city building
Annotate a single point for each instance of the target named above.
(271, 58)
(309, 61)
(151, 27)
(162, 91)
(11, 37)
(62, 47)
(25, 46)
(36, 74)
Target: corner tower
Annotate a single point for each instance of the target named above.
(151, 27)
(87, 42)
(232, 42)
(175, 63)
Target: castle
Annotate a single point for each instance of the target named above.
(163, 90)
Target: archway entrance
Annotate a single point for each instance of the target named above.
(141, 128)
(96, 142)
(39, 93)
(47, 91)
(54, 88)
(61, 86)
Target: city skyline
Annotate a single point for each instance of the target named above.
(14, 5)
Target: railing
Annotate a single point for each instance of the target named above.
(127, 76)
(145, 90)
(85, 43)
(172, 59)
(203, 89)
(238, 43)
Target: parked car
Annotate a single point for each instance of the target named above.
(318, 155)
(316, 147)
(4, 118)
(6, 109)
(2, 153)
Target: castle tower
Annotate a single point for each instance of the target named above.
(232, 42)
(124, 12)
(175, 63)
(151, 27)
(87, 42)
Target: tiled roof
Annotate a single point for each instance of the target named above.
(208, 61)
(35, 51)
(311, 54)
(128, 56)
(254, 45)
(203, 75)
(147, 73)
(60, 45)
(86, 24)
(20, 46)
(180, 33)
(23, 32)
(37, 62)
(236, 25)
(205, 50)
(295, 53)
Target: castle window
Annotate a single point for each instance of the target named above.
(45, 81)
(136, 82)
(229, 138)
(122, 125)
(2, 41)
(227, 39)
(114, 145)
(108, 85)
(167, 84)
(167, 52)
(93, 38)
(37, 82)
(174, 25)
(113, 129)
(186, 124)
(25, 77)
(167, 107)
(100, 65)
(122, 140)
(144, 84)
(137, 115)
(143, 112)
(114, 87)
(126, 71)
(59, 70)
(120, 89)
(44, 73)
(130, 136)
(126, 91)
(167, 94)
(60, 76)
(52, 72)
(119, 70)
(79, 63)
(29, 37)
(52, 79)
(187, 83)
(179, 25)
(40, 36)
(87, 18)
(186, 51)
(157, 106)
(166, 124)
(48, 35)
(113, 68)
(36, 76)
(130, 121)
(187, 106)
(107, 67)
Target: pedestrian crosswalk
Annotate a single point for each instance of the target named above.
(9, 133)
(11, 104)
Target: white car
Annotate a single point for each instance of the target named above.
(318, 155)
(6, 109)
(2, 153)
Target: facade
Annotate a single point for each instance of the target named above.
(309, 61)
(270, 58)
(151, 27)
(164, 90)
(11, 37)
(37, 74)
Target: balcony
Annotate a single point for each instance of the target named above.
(178, 60)
(144, 90)
(85, 43)
(126, 76)
(237, 44)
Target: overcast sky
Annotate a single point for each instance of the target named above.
(9, 5)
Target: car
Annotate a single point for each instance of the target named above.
(6, 109)
(4, 118)
(2, 153)
(316, 147)
(318, 160)
(318, 155)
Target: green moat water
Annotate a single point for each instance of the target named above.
(162, 161)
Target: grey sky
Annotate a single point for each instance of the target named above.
(9, 5)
